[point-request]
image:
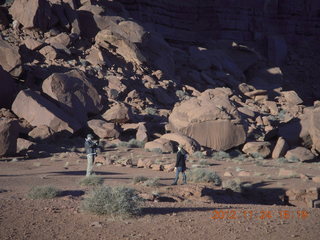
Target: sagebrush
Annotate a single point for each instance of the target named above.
(43, 192)
(92, 180)
(198, 175)
(113, 201)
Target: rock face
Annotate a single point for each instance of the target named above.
(33, 14)
(103, 129)
(7, 90)
(232, 19)
(10, 58)
(211, 119)
(74, 93)
(39, 111)
(9, 131)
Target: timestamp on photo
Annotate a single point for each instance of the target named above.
(259, 215)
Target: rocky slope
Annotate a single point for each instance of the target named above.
(213, 75)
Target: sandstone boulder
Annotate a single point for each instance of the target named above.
(7, 90)
(280, 149)
(262, 148)
(118, 113)
(24, 145)
(9, 132)
(162, 144)
(103, 129)
(32, 44)
(144, 163)
(292, 97)
(41, 133)
(141, 134)
(211, 119)
(74, 93)
(135, 45)
(313, 125)
(38, 111)
(62, 40)
(49, 53)
(10, 59)
(300, 153)
(33, 14)
(190, 145)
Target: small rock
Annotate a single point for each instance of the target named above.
(316, 179)
(227, 174)
(96, 224)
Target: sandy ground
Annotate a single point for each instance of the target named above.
(62, 218)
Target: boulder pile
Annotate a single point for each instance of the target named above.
(74, 67)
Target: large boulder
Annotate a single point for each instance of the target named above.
(41, 133)
(10, 59)
(9, 132)
(23, 145)
(33, 14)
(74, 93)
(190, 145)
(103, 129)
(211, 119)
(163, 144)
(314, 128)
(261, 148)
(38, 111)
(300, 153)
(137, 46)
(7, 90)
(118, 113)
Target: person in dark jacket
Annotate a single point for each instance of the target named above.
(90, 145)
(180, 165)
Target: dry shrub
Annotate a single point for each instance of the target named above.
(113, 201)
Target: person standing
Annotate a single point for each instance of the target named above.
(90, 145)
(180, 165)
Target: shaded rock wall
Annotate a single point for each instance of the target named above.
(199, 20)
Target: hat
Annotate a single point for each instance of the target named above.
(89, 136)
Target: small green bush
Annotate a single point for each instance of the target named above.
(139, 179)
(198, 175)
(92, 180)
(151, 111)
(203, 162)
(156, 150)
(293, 159)
(256, 155)
(134, 143)
(152, 182)
(198, 155)
(182, 95)
(43, 192)
(233, 184)
(282, 160)
(113, 201)
(220, 155)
